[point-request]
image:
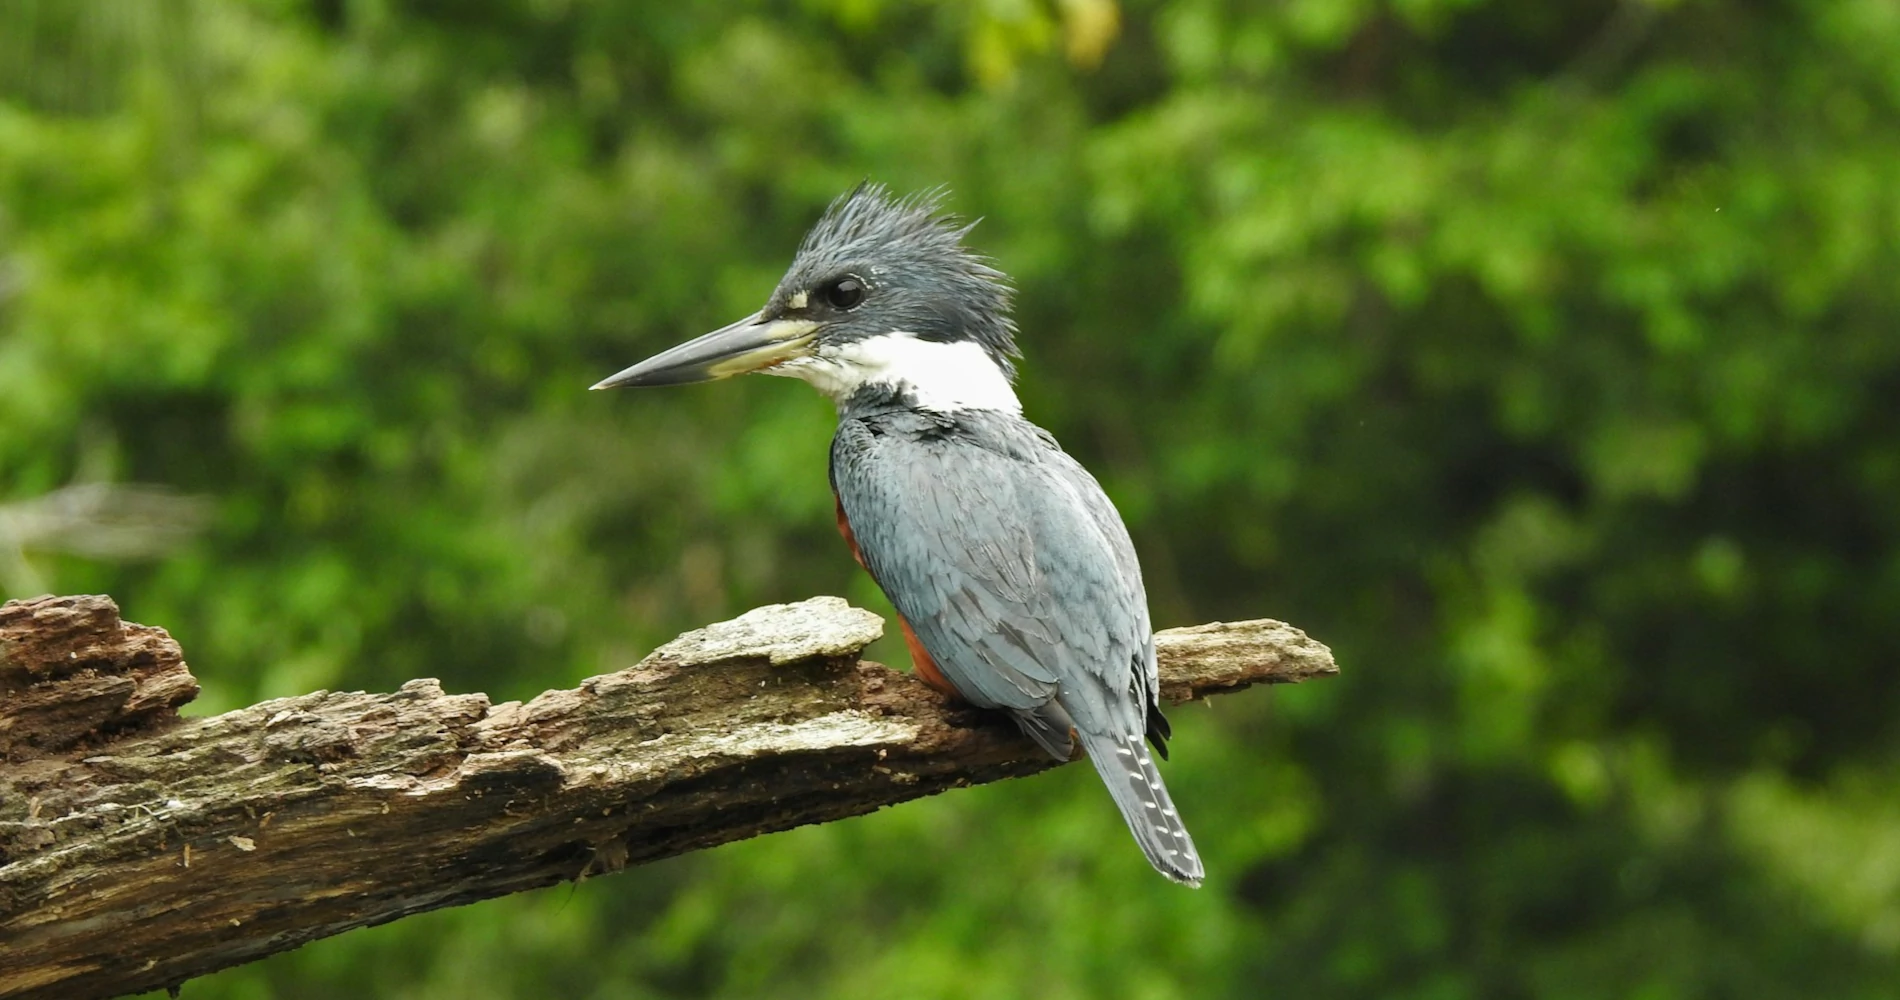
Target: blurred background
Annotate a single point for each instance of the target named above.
(1542, 358)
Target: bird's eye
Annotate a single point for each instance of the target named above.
(845, 293)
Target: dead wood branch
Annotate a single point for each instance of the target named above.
(138, 849)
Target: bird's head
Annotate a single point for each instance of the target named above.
(882, 295)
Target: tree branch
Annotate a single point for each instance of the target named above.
(138, 849)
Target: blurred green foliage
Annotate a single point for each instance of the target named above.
(1542, 358)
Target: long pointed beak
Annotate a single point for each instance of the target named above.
(746, 346)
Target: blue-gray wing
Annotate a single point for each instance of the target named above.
(1009, 563)
(1018, 577)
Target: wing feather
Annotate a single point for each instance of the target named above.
(1010, 564)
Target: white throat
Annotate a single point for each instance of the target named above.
(939, 376)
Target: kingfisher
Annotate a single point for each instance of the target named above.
(1013, 576)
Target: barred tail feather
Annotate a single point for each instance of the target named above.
(1132, 779)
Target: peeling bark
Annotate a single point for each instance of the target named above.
(139, 849)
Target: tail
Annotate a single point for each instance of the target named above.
(1132, 779)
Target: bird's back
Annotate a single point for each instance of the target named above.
(1019, 579)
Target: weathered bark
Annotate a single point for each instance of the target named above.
(138, 849)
